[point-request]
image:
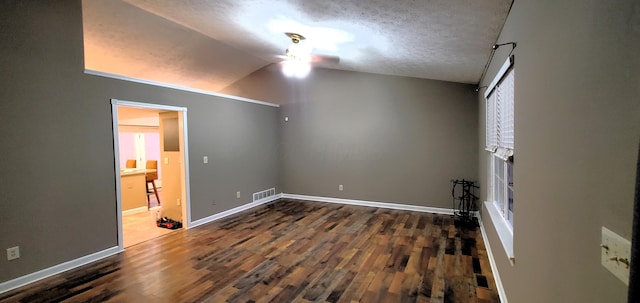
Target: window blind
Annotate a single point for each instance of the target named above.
(506, 93)
(499, 115)
(491, 137)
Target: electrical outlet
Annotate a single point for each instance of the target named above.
(13, 253)
(340, 187)
(166, 160)
(205, 159)
(238, 195)
(616, 254)
(213, 202)
(178, 201)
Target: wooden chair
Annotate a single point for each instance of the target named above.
(131, 164)
(151, 177)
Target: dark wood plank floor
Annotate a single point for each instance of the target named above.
(289, 251)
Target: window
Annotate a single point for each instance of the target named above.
(503, 188)
(500, 152)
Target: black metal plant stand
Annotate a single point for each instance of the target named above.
(464, 200)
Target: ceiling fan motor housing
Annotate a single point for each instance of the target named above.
(295, 38)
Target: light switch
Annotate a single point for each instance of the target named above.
(13, 253)
(205, 159)
(616, 254)
(166, 160)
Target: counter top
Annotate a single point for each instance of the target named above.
(135, 171)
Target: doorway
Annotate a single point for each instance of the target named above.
(150, 144)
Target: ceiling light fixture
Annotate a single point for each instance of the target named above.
(298, 58)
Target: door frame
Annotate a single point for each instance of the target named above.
(186, 207)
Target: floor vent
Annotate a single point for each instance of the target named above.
(264, 194)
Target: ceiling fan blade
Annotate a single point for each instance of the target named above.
(325, 59)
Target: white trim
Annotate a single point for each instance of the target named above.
(492, 262)
(119, 102)
(437, 210)
(232, 211)
(178, 87)
(116, 163)
(502, 229)
(238, 209)
(186, 208)
(503, 70)
(134, 211)
(56, 269)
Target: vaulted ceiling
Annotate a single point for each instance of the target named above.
(209, 45)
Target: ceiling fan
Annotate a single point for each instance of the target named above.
(298, 57)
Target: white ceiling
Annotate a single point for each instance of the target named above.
(209, 45)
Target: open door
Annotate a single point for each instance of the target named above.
(172, 155)
(173, 162)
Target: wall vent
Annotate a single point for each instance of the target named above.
(264, 194)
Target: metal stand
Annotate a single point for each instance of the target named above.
(464, 199)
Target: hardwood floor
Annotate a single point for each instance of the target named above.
(289, 251)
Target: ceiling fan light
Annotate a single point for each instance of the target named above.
(288, 69)
(298, 52)
(297, 69)
(302, 70)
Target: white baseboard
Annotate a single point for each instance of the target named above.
(492, 262)
(238, 209)
(56, 269)
(233, 211)
(437, 210)
(134, 211)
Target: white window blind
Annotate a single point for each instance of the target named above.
(500, 126)
(506, 115)
(499, 111)
(491, 138)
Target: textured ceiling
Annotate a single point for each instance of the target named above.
(211, 44)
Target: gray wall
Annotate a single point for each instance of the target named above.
(385, 138)
(577, 113)
(266, 84)
(57, 184)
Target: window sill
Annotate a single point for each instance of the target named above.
(502, 228)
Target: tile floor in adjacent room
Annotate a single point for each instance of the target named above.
(141, 227)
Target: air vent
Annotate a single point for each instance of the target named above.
(264, 194)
